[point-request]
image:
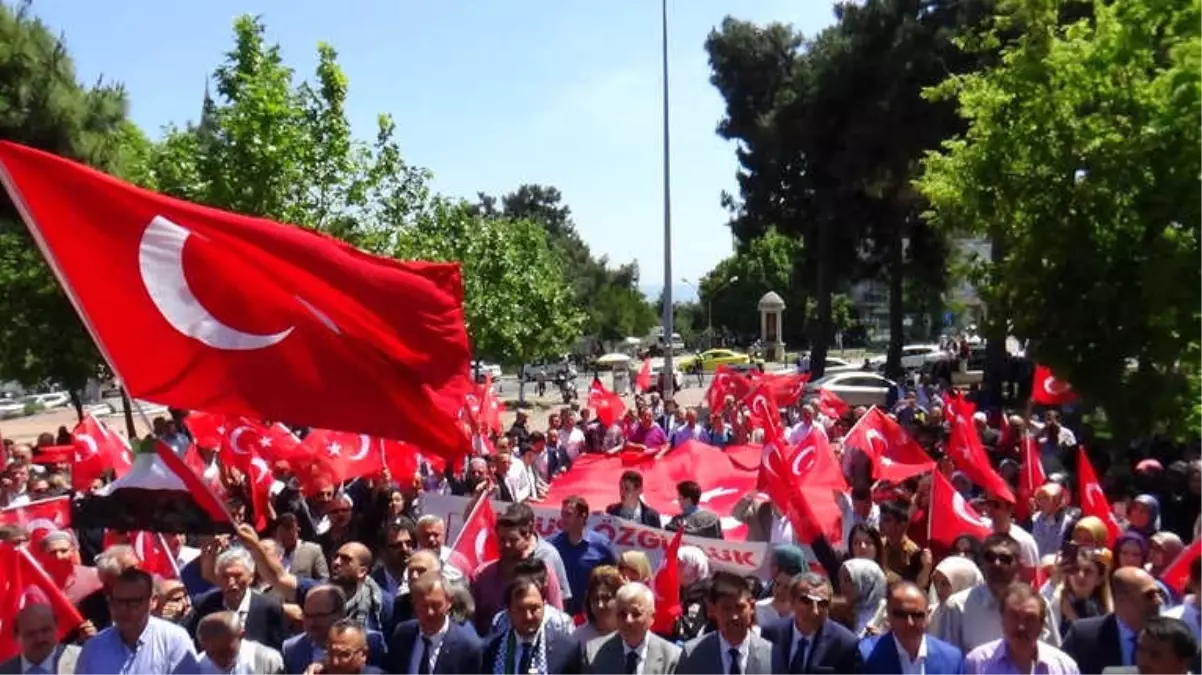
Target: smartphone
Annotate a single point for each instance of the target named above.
(1068, 553)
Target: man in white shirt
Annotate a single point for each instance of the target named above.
(1001, 513)
(808, 425)
(226, 652)
(1188, 611)
(906, 648)
(35, 629)
(571, 436)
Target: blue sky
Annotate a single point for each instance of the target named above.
(487, 94)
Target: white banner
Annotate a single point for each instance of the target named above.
(741, 557)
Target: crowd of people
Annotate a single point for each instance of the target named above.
(358, 578)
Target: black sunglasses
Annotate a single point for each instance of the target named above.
(902, 615)
(1003, 558)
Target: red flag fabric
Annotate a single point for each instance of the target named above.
(97, 449)
(490, 407)
(667, 588)
(208, 430)
(609, 406)
(895, 455)
(1031, 478)
(955, 517)
(726, 382)
(831, 405)
(245, 316)
(24, 581)
(196, 486)
(154, 554)
(643, 379)
(55, 454)
(245, 438)
(343, 456)
(765, 413)
(477, 541)
(39, 518)
(964, 446)
(1047, 390)
(1176, 575)
(786, 388)
(1093, 499)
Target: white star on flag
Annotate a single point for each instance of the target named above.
(334, 449)
(264, 442)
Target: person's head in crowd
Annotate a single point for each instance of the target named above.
(324, 605)
(518, 519)
(235, 572)
(60, 554)
(1137, 596)
(36, 631)
(38, 487)
(1049, 499)
(600, 600)
(22, 455)
(502, 461)
(538, 442)
(399, 540)
(503, 445)
(1143, 515)
(422, 562)
(635, 612)
(554, 420)
(431, 532)
(630, 488)
(346, 649)
(524, 602)
(237, 509)
(864, 541)
(113, 561)
(340, 510)
(862, 583)
(693, 565)
(1090, 532)
(14, 534)
(1163, 549)
(553, 437)
(861, 500)
(1000, 511)
(688, 495)
(171, 600)
(573, 515)
(1089, 577)
(287, 530)
(894, 521)
(351, 565)
(1023, 615)
(906, 607)
(477, 471)
(129, 603)
(431, 601)
(463, 605)
(1166, 646)
(786, 562)
(396, 502)
(731, 606)
(954, 574)
(1000, 559)
(1130, 550)
(14, 477)
(634, 566)
(811, 595)
(220, 637)
(1008, 469)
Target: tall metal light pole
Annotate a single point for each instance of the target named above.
(667, 374)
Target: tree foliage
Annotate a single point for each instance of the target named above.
(1081, 158)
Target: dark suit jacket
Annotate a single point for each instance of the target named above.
(880, 656)
(460, 652)
(700, 523)
(1094, 643)
(298, 652)
(648, 516)
(65, 657)
(835, 649)
(309, 561)
(265, 621)
(563, 653)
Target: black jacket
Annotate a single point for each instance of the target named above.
(264, 619)
(648, 516)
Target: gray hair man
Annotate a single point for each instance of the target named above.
(37, 638)
(226, 651)
(431, 535)
(633, 648)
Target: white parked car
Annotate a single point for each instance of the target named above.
(837, 365)
(486, 368)
(854, 387)
(913, 357)
(55, 399)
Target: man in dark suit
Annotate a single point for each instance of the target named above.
(734, 648)
(520, 649)
(302, 558)
(1110, 640)
(907, 608)
(810, 642)
(693, 519)
(632, 507)
(323, 606)
(432, 644)
(262, 616)
(35, 628)
(346, 650)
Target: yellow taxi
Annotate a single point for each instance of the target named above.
(710, 359)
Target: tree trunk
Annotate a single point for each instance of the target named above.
(131, 431)
(897, 308)
(77, 403)
(821, 335)
(997, 370)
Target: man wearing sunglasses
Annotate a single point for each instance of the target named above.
(973, 616)
(1110, 640)
(906, 648)
(809, 641)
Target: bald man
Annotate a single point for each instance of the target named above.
(226, 650)
(907, 640)
(1110, 640)
(366, 602)
(37, 638)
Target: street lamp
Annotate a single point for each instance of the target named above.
(667, 381)
(709, 305)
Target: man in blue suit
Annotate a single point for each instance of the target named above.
(810, 642)
(323, 607)
(906, 648)
(432, 644)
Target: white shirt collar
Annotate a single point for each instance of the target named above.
(726, 646)
(904, 656)
(442, 632)
(244, 606)
(47, 666)
(641, 649)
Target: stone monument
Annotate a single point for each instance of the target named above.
(771, 307)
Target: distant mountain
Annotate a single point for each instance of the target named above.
(680, 292)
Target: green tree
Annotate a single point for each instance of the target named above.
(1081, 160)
(732, 290)
(43, 105)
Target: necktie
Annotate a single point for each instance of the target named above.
(1134, 645)
(35, 670)
(527, 658)
(798, 664)
(632, 663)
(423, 666)
(734, 662)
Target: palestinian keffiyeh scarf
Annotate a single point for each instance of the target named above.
(510, 653)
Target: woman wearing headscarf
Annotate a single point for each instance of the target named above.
(694, 573)
(862, 583)
(1130, 550)
(1090, 532)
(952, 575)
(787, 562)
(1163, 549)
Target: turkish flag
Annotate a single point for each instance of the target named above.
(481, 407)
(765, 412)
(245, 438)
(609, 406)
(786, 388)
(831, 405)
(667, 588)
(153, 553)
(726, 382)
(643, 379)
(1176, 575)
(802, 481)
(207, 429)
(955, 516)
(342, 456)
(1047, 390)
(1031, 478)
(23, 581)
(477, 541)
(203, 309)
(1093, 499)
(39, 518)
(964, 446)
(97, 449)
(895, 455)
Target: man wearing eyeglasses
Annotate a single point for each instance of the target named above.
(136, 642)
(1110, 640)
(809, 641)
(973, 616)
(906, 648)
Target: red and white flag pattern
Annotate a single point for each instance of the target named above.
(1093, 499)
(1047, 390)
(97, 449)
(477, 542)
(895, 455)
(951, 514)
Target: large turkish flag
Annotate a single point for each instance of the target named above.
(202, 309)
